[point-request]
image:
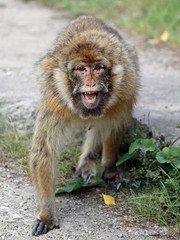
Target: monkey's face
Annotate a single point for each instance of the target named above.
(91, 87)
(88, 77)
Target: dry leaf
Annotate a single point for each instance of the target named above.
(165, 36)
(109, 200)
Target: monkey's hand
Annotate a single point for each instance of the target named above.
(86, 170)
(40, 227)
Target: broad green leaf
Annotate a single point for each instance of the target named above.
(169, 155)
(109, 200)
(76, 184)
(143, 144)
(127, 157)
(178, 126)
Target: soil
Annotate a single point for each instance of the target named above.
(27, 30)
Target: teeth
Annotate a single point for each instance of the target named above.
(90, 99)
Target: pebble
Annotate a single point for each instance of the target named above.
(3, 212)
(16, 216)
(153, 233)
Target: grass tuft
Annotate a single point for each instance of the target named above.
(12, 144)
(67, 161)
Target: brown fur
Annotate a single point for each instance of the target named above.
(87, 41)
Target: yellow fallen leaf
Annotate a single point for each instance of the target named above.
(165, 36)
(109, 200)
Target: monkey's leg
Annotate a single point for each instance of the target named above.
(110, 153)
(87, 162)
(42, 165)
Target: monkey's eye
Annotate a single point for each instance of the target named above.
(98, 67)
(80, 68)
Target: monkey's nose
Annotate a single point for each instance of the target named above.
(91, 84)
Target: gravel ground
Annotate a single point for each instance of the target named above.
(26, 32)
(82, 215)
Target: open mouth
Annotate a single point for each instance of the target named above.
(90, 99)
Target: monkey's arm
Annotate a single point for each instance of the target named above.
(87, 162)
(48, 137)
(97, 139)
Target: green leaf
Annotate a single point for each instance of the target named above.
(127, 157)
(169, 155)
(76, 184)
(143, 144)
(178, 126)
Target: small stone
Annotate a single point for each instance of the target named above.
(153, 233)
(121, 235)
(16, 216)
(10, 220)
(117, 227)
(156, 227)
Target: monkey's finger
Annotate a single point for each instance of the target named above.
(42, 228)
(90, 179)
(45, 229)
(34, 228)
(39, 228)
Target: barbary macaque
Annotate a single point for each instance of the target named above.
(89, 79)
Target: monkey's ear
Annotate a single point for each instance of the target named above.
(46, 64)
(133, 55)
(42, 64)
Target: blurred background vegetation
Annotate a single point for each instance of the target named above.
(158, 20)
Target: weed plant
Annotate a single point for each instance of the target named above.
(12, 144)
(150, 171)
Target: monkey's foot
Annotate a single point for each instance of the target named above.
(40, 227)
(87, 171)
(111, 172)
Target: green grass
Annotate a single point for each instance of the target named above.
(12, 144)
(148, 18)
(67, 161)
(158, 203)
(151, 175)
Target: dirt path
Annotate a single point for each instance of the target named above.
(26, 31)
